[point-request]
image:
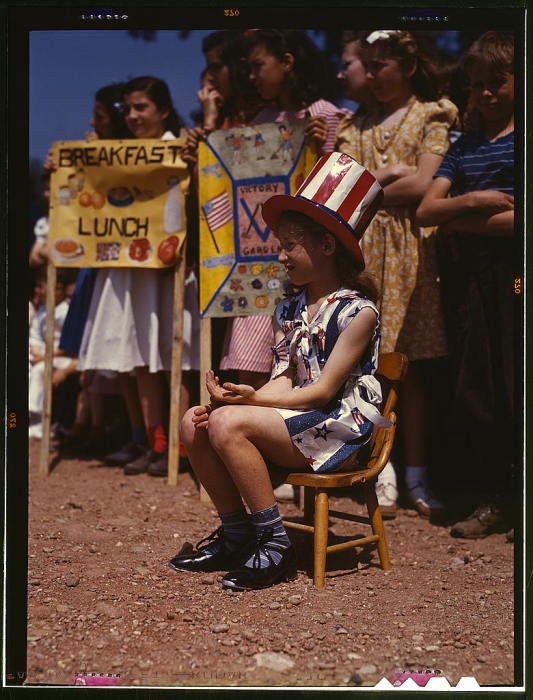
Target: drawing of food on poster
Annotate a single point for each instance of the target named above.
(239, 169)
(117, 203)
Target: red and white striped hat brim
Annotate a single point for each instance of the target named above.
(338, 193)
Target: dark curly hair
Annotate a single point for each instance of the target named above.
(308, 74)
(229, 47)
(157, 90)
(111, 98)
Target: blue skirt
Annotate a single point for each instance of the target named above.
(76, 318)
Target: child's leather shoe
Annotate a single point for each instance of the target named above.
(247, 578)
(204, 559)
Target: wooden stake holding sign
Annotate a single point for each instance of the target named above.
(175, 373)
(205, 365)
(51, 276)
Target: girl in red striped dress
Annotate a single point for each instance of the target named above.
(286, 69)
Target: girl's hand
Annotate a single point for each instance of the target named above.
(49, 164)
(228, 393)
(317, 129)
(58, 377)
(201, 416)
(211, 101)
(491, 201)
(91, 136)
(36, 357)
(393, 172)
(238, 393)
(190, 152)
(212, 384)
(402, 170)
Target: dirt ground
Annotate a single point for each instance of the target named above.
(102, 599)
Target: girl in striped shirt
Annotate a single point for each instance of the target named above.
(472, 201)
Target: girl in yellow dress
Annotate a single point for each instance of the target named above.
(402, 141)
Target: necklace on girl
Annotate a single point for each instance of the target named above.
(384, 141)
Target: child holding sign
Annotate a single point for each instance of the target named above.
(321, 402)
(130, 321)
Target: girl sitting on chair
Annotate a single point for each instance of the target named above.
(320, 405)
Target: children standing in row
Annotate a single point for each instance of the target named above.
(472, 201)
(402, 142)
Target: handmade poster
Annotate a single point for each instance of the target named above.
(238, 170)
(117, 203)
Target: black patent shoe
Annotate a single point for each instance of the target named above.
(204, 560)
(247, 578)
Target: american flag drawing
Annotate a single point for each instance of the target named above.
(358, 418)
(218, 211)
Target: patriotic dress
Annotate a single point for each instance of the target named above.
(248, 338)
(327, 437)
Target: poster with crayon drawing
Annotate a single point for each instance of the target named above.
(238, 170)
(117, 203)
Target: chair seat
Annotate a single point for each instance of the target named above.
(336, 480)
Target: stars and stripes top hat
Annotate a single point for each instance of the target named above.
(338, 193)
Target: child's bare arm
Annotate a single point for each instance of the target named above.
(501, 224)
(347, 351)
(393, 172)
(411, 188)
(437, 208)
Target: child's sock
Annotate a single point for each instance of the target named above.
(157, 437)
(416, 482)
(270, 532)
(138, 436)
(237, 532)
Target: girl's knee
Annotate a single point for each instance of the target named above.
(224, 422)
(188, 430)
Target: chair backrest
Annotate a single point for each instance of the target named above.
(391, 371)
(392, 366)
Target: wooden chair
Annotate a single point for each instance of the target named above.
(391, 370)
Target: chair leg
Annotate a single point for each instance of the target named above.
(309, 503)
(376, 522)
(320, 537)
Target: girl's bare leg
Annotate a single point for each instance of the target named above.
(243, 437)
(151, 396)
(228, 457)
(208, 467)
(128, 387)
